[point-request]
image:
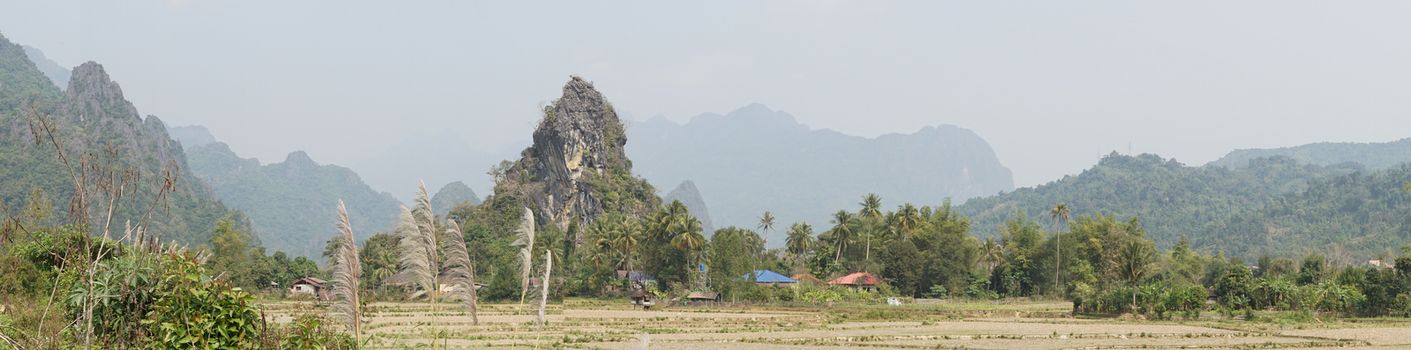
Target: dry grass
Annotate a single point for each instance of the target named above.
(580, 324)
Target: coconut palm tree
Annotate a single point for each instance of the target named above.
(800, 240)
(626, 240)
(908, 220)
(842, 231)
(766, 222)
(688, 239)
(1137, 256)
(871, 213)
(991, 253)
(1059, 213)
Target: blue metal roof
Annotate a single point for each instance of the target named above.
(766, 276)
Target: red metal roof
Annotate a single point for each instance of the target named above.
(857, 279)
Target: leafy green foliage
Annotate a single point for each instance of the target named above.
(310, 332)
(1273, 206)
(193, 312)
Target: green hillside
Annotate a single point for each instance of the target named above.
(292, 203)
(119, 159)
(1273, 206)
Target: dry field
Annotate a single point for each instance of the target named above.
(580, 324)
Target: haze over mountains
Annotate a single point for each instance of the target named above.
(729, 168)
(755, 159)
(1374, 155)
(290, 203)
(55, 71)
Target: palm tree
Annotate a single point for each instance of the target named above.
(1136, 255)
(871, 212)
(766, 222)
(688, 239)
(1059, 213)
(842, 231)
(991, 253)
(676, 210)
(908, 220)
(800, 240)
(871, 205)
(626, 242)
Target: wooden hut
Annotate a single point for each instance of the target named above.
(703, 297)
(311, 286)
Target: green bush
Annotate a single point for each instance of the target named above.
(309, 332)
(194, 312)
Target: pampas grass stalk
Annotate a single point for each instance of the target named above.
(460, 271)
(526, 251)
(347, 269)
(420, 259)
(544, 284)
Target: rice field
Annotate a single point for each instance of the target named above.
(592, 324)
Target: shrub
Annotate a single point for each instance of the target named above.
(309, 332)
(193, 311)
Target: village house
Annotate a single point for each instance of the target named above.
(311, 287)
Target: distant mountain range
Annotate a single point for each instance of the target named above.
(755, 159)
(292, 204)
(438, 157)
(53, 70)
(1376, 155)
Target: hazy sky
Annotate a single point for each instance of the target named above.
(1052, 85)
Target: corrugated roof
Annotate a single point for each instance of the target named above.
(703, 296)
(857, 279)
(767, 276)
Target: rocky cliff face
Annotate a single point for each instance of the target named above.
(576, 170)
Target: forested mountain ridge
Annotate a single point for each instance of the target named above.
(110, 149)
(1273, 206)
(55, 71)
(451, 195)
(1374, 155)
(291, 203)
(756, 159)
